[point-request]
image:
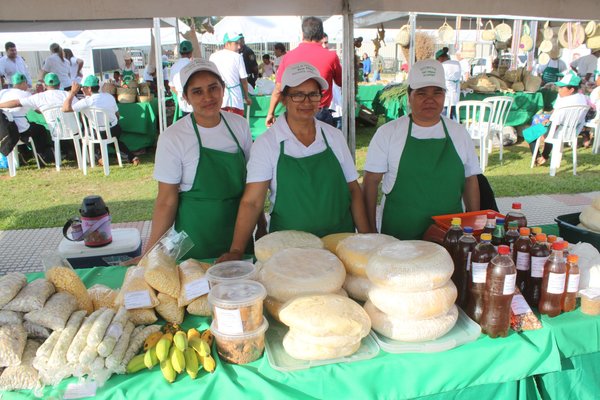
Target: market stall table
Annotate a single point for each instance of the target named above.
(503, 368)
(366, 94)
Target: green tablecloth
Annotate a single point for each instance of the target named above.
(366, 94)
(484, 369)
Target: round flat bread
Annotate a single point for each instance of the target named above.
(302, 350)
(331, 241)
(357, 287)
(268, 245)
(356, 250)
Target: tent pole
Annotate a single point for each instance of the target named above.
(160, 87)
(348, 95)
(412, 21)
(177, 35)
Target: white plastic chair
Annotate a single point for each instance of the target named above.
(595, 126)
(564, 132)
(500, 108)
(13, 156)
(475, 119)
(63, 126)
(97, 120)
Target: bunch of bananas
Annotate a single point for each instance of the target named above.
(176, 351)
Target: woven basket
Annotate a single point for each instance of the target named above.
(403, 37)
(126, 95)
(144, 89)
(511, 76)
(468, 49)
(488, 33)
(543, 58)
(109, 88)
(577, 33)
(532, 83)
(446, 33)
(518, 86)
(145, 98)
(590, 28)
(482, 84)
(503, 32)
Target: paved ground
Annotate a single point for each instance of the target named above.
(21, 249)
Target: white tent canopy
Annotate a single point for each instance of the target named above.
(257, 29)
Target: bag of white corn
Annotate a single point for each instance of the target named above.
(99, 328)
(113, 332)
(35, 331)
(32, 297)
(56, 311)
(44, 352)
(103, 296)
(23, 376)
(80, 340)
(12, 343)
(138, 336)
(58, 357)
(135, 292)
(160, 268)
(192, 281)
(200, 307)
(115, 358)
(10, 317)
(65, 279)
(10, 285)
(169, 310)
(142, 316)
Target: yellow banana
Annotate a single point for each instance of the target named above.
(150, 359)
(167, 370)
(163, 346)
(200, 346)
(180, 340)
(152, 340)
(209, 364)
(191, 362)
(177, 359)
(192, 332)
(136, 364)
(208, 337)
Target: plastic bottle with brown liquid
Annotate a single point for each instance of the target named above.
(498, 235)
(553, 282)
(482, 255)
(462, 265)
(497, 297)
(515, 215)
(539, 255)
(490, 224)
(522, 259)
(454, 233)
(569, 301)
(511, 235)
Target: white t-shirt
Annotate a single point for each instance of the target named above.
(60, 67)
(576, 99)
(232, 69)
(387, 145)
(10, 67)
(267, 69)
(178, 150)
(452, 71)
(265, 152)
(74, 67)
(175, 82)
(595, 97)
(101, 100)
(585, 65)
(18, 113)
(558, 63)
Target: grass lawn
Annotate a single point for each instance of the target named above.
(46, 198)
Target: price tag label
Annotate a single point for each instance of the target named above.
(509, 284)
(196, 288)
(523, 261)
(556, 283)
(137, 299)
(229, 322)
(80, 390)
(537, 266)
(479, 272)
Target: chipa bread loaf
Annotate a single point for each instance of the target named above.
(357, 287)
(356, 250)
(331, 241)
(268, 245)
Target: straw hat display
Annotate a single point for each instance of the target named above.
(547, 32)
(446, 33)
(545, 46)
(488, 33)
(482, 84)
(543, 58)
(503, 32)
(590, 28)
(593, 43)
(577, 35)
(127, 95)
(532, 83)
(403, 37)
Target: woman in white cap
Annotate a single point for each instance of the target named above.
(306, 165)
(427, 162)
(130, 71)
(200, 166)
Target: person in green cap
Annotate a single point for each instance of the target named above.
(306, 167)
(185, 56)
(56, 63)
(94, 98)
(41, 139)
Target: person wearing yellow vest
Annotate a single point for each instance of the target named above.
(427, 162)
(306, 165)
(200, 166)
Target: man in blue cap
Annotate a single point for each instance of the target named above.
(96, 99)
(233, 71)
(185, 53)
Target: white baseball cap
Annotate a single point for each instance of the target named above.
(426, 73)
(196, 65)
(296, 74)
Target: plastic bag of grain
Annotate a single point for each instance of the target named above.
(192, 281)
(160, 268)
(56, 311)
(135, 292)
(10, 285)
(65, 279)
(32, 297)
(169, 310)
(35, 331)
(142, 316)
(12, 342)
(10, 317)
(200, 307)
(23, 376)
(103, 296)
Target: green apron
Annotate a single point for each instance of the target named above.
(430, 181)
(127, 75)
(550, 74)
(312, 194)
(207, 212)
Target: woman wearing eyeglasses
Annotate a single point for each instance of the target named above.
(306, 165)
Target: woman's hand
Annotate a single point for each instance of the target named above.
(230, 256)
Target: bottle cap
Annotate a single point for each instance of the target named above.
(540, 237)
(536, 229)
(503, 249)
(468, 229)
(573, 258)
(486, 237)
(513, 224)
(499, 220)
(557, 246)
(565, 245)
(516, 206)
(524, 231)
(552, 238)
(491, 215)
(455, 221)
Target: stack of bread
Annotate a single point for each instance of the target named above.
(590, 216)
(411, 297)
(354, 251)
(323, 326)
